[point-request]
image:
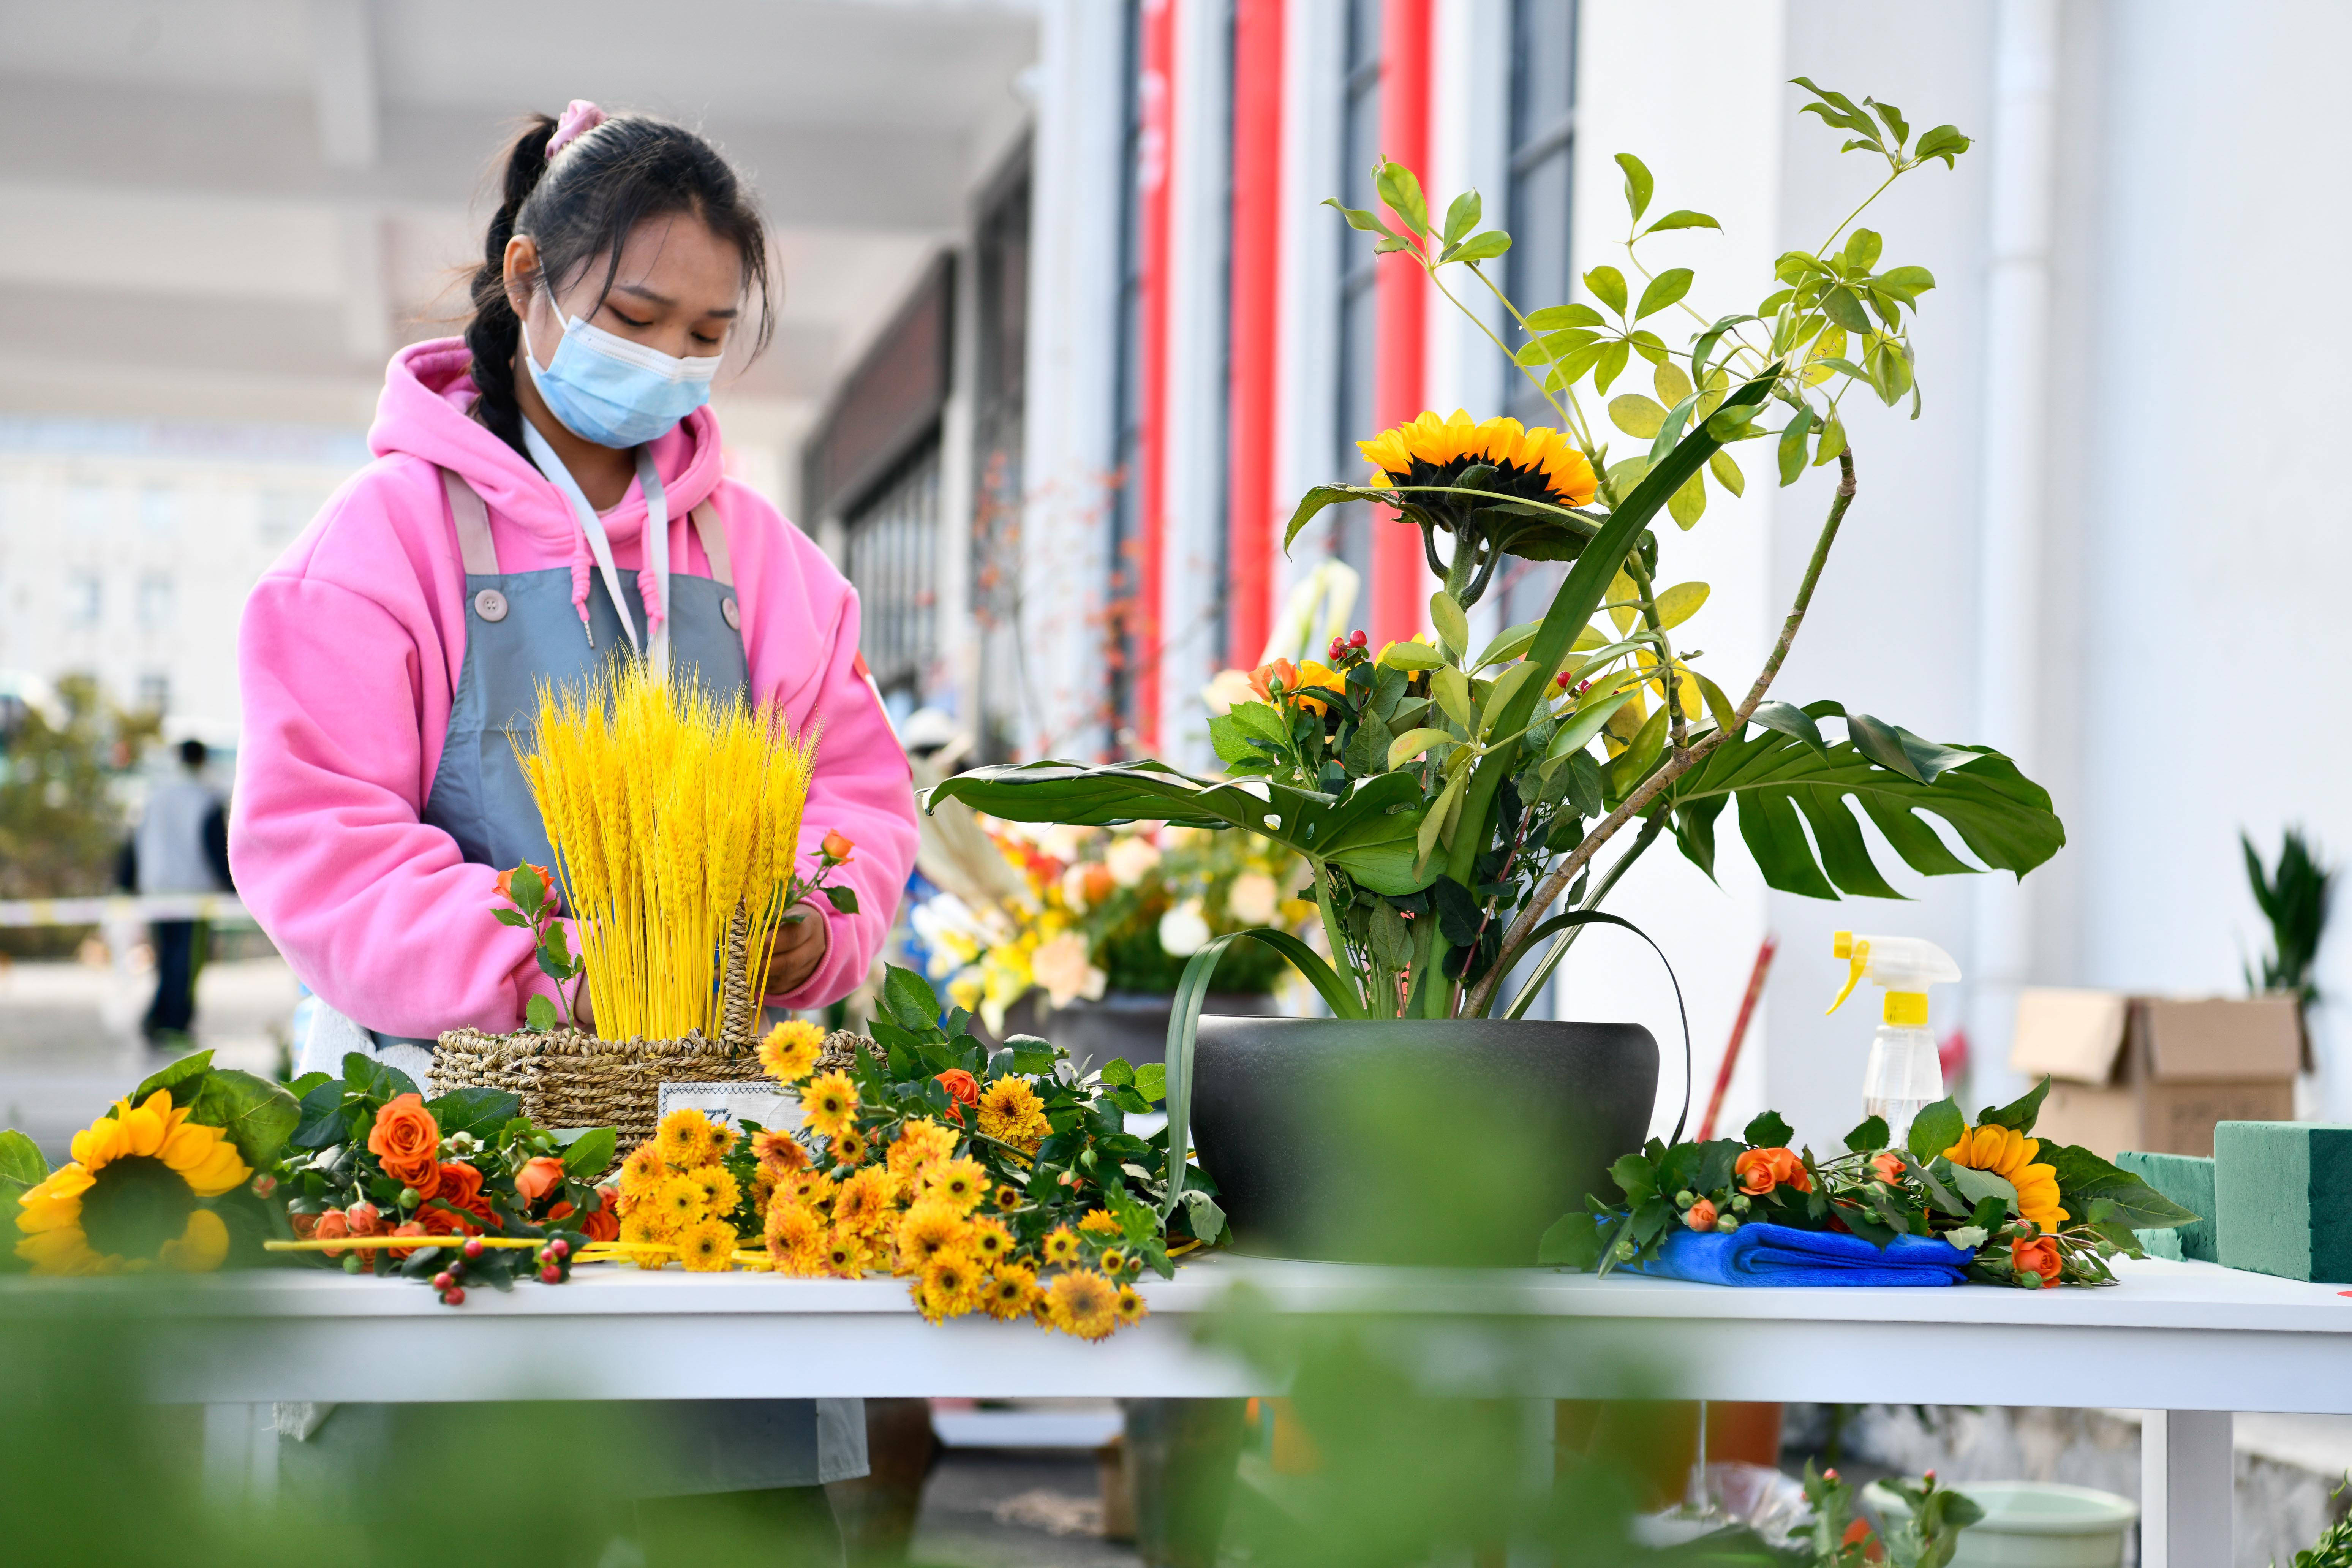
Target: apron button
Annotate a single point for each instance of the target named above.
(733, 616)
(490, 604)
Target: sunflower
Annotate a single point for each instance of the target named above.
(1129, 1306)
(679, 1201)
(681, 1138)
(1011, 1112)
(959, 1184)
(948, 1287)
(796, 1239)
(845, 1255)
(828, 1102)
(708, 1248)
(720, 1191)
(1011, 1293)
(642, 1171)
(128, 1199)
(991, 1242)
(930, 1228)
(2009, 1153)
(920, 1144)
(1099, 1222)
(789, 1053)
(863, 1203)
(1082, 1303)
(1060, 1246)
(848, 1147)
(1538, 464)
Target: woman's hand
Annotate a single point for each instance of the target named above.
(798, 947)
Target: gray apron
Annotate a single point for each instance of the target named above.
(522, 629)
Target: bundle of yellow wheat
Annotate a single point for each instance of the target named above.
(669, 810)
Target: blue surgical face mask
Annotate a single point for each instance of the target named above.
(607, 389)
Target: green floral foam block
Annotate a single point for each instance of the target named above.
(2283, 1198)
(2187, 1180)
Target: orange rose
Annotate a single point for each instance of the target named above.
(366, 1219)
(837, 848)
(505, 881)
(961, 1086)
(408, 1228)
(538, 1178)
(1701, 1215)
(306, 1225)
(604, 1221)
(1762, 1170)
(424, 1175)
(2039, 1256)
(1265, 677)
(461, 1188)
(405, 1134)
(1098, 882)
(334, 1226)
(1888, 1166)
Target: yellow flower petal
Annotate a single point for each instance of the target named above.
(201, 1247)
(143, 1129)
(223, 1171)
(100, 1142)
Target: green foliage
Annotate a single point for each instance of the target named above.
(62, 818)
(2293, 898)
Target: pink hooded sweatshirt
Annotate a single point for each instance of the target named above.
(350, 654)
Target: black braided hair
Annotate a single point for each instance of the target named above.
(585, 205)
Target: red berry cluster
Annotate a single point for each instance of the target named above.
(1345, 651)
(450, 1283)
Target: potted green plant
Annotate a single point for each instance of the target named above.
(1449, 798)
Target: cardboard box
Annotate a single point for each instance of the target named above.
(2156, 1072)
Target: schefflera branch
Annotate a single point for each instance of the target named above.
(1677, 761)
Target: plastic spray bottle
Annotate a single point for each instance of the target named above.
(1905, 1075)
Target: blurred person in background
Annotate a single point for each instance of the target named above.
(548, 496)
(181, 847)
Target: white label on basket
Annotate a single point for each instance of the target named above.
(733, 1104)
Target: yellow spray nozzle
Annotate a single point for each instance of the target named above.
(1857, 957)
(1841, 943)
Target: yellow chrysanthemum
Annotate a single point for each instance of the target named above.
(681, 1138)
(1538, 461)
(847, 1147)
(789, 1053)
(930, 1228)
(708, 1248)
(1009, 1197)
(718, 1142)
(2009, 1153)
(990, 1242)
(864, 1203)
(846, 1255)
(920, 1144)
(720, 1191)
(948, 1287)
(642, 1171)
(1083, 1304)
(796, 1239)
(829, 1103)
(1129, 1306)
(128, 1198)
(1011, 1112)
(1060, 1246)
(1099, 1222)
(646, 1226)
(959, 1184)
(679, 1201)
(1011, 1293)
(779, 1151)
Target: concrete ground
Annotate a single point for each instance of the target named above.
(70, 1038)
(1004, 1509)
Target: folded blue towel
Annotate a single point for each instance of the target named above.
(1761, 1254)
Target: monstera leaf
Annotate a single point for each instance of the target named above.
(1366, 832)
(1788, 778)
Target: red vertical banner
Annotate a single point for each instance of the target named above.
(1400, 307)
(1256, 276)
(1155, 154)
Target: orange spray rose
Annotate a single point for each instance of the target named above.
(1762, 1170)
(1701, 1215)
(961, 1087)
(539, 1177)
(2039, 1256)
(334, 1226)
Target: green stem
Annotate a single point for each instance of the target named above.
(1342, 964)
(1647, 837)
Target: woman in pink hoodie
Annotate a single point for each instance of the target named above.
(548, 495)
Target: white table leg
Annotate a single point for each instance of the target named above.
(2186, 1496)
(241, 1453)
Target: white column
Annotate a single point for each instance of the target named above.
(2188, 1498)
(1200, 217)
(1073, 275)
(1314, 60)
(2013, 513)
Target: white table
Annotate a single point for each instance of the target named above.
(2189, 1343)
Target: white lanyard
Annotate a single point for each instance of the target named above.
(654, 650)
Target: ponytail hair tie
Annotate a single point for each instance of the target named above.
(579, 117)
